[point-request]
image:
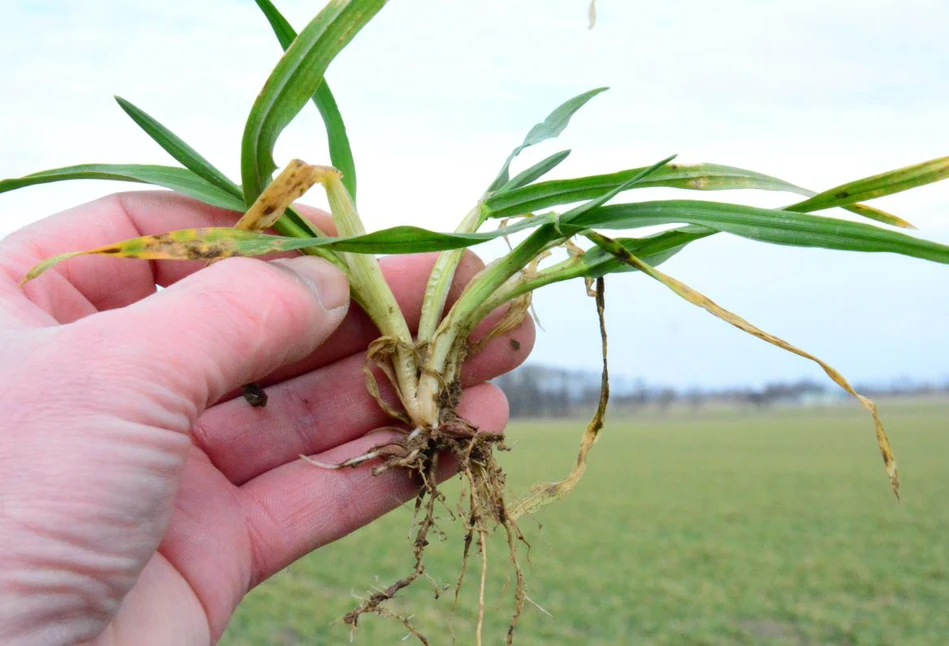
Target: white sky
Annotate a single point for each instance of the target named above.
(436, 93)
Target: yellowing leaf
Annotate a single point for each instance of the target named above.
(292, 182)
(542, 494)
(708, 305)
(211, 243)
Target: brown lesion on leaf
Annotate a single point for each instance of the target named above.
(292, 182)
(197, 250)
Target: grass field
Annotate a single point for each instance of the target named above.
(772, 528)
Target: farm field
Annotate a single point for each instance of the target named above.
(774, 528)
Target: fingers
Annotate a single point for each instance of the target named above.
(322, 409)
(230, 324)
(297, 508)
(86, 284)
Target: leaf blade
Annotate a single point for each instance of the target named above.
(341, 154)
(550, 127)
(178, 149)
(536, 171)
(708, 177)
(868, 188)
(765, 225)
(697, 298)
(215, 243)
(177, 179)
(697, 177)
(293, 82)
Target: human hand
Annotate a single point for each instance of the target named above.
(140, 499)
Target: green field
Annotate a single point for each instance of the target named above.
(771, 528)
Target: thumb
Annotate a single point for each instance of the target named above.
(227, 325)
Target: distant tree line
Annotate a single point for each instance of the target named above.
(543, 391)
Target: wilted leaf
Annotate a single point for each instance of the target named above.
(696, 298)
(542, 494)
(293, 181)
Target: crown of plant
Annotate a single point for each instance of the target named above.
(554, 214)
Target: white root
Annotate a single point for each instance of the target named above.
(351, 462)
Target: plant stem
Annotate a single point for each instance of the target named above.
(461, 319)
(439, 282)
(375, 297)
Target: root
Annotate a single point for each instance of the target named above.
(482, 504)
(482, 508)
(484, 579)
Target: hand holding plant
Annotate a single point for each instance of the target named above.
(139, 499)
(417, 362)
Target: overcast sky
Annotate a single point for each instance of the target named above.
(436, 93)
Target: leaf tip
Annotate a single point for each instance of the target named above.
(894, 474)
(46, 264)
(33, 273)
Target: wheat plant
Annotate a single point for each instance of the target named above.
(561, 225)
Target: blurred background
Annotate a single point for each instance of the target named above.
(737, 498)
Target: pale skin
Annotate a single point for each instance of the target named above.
(140, 496)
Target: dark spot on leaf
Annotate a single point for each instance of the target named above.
(842, 195)
(203, 254)
(515, 345)
(110, 250)
(198, 251)
(270, 208)
(255, 395)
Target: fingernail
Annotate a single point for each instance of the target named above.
(327, 281)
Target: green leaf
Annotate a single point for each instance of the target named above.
(341, 154)
(656, 249)
(696, 177)
(596, 262)
(178, 149)
(869, 188)
(704, 177)
(293, 82)
(766, 225)
(873, 213)
(177, 179)
(536, 171)
(578, 212)
(553, 125)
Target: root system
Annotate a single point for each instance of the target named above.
(483, 505)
